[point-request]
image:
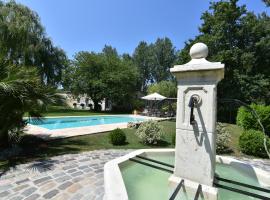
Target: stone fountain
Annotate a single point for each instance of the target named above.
(195, 153)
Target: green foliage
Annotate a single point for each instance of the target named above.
(241, 40)
(23, 42)
(137, 104)
(169, 107)
(267, 2)
(103, 75)
(247, 120)
(251, 143)
(117, 137)
(150, 132)
(165, 88)
(223, 139)
(21, 92)
(163, 59)
(154, 61)
(143, 61)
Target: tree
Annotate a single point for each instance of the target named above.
(88, 76)
(23, 42)
(142, 60)
(241, 40)
(267, 2)
(120, 77)
(103, 75)
(165, 88)
(163, 58)
(21, 92)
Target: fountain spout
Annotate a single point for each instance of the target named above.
(191, 104)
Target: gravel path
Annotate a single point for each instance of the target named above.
(72, 176)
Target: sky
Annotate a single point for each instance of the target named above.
(87, 25)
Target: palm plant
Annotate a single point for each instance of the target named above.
(21, 91)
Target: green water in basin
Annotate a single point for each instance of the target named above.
(145, 183)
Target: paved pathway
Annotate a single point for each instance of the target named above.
(73, 176)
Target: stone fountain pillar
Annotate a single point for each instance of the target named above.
(195, 148)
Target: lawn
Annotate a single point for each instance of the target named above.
(101, 141)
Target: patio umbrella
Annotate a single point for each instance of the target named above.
(154, 97)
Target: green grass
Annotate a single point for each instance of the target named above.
(101, 141)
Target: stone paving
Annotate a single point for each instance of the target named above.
(71, 176)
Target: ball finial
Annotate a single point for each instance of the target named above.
(198, 50)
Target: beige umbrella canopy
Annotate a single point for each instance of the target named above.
(154, 97)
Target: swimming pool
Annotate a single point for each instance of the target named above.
(72, 122)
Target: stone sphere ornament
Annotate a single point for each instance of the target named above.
(198, 51)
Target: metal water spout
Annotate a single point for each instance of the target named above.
(195, 148)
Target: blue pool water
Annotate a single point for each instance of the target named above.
(72, 122)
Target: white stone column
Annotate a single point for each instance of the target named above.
(195, 149)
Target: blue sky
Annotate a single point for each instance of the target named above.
(88, 25)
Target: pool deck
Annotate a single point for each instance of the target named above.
(77, 131)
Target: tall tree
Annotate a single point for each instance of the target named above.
(142, 60)
(241, 40)
(163, 57)
(23, 42)
(88, 77)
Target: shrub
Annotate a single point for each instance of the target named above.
(251, 143)
(246, 119)
(223, 138)
(150, 132)
(117, 137)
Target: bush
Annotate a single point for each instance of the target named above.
(251, 143)
(150, 132)
(117, 137)
(223, 139)
(246, 120)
